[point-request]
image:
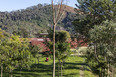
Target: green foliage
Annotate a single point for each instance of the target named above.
(104, 38)
(97, 27)
(3, 47)
(16, 53)
(61, 39)
(94, 12)
(103, 33)
(60, 36)
(35, 49)
(62, 47)
(62, 50)
(30, 21)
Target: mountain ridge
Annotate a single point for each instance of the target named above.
(35, 19)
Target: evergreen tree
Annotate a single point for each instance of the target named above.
(101, 58)
(62, 47)
(93, 12)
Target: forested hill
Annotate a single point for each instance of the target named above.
(34, 20)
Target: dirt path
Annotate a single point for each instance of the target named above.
(81, 72)
(82, 69)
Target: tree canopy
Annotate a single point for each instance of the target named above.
(94, 12)
(97, 26)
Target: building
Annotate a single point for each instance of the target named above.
(41, 42)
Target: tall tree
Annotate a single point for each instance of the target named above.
(57, 12)
(93, 12)
(62, 47)
(18, 54)
(98, 34)
(15, 53)
(103, 49)
(3, 49)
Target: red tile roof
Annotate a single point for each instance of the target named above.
(40, 41)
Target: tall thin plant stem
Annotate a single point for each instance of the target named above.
(57, 15)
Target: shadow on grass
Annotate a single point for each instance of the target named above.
(70, 75)
(76, 66)
(43, 70)
(36, 71)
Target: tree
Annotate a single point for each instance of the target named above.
(15, 53)
(97, 33)
(62, 52)
(35, 50)
(18, 55)
(3, 50)
(62, 47)
(103, 53)
(93, 12)
(57, 15)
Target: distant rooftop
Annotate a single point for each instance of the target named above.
(43, 33)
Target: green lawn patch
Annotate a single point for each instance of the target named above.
(44, 69)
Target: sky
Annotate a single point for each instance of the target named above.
(12, 5)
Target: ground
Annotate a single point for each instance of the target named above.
(74, 67)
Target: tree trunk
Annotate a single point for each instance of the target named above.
(104, 72)
(1, 70)
(101, 72)
(61, 69)
(112, 71)
(20, 71)
(38, 60)
(108, 72)
(53, 12)
(10, 73)
(58, 70)
(56, 17)
(54, 52)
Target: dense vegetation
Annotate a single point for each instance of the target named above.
(33, 20)
(62, 46)
(98, 28)
(16, 53)
(94, 23)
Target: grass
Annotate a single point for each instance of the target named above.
(44, 69)
(79, 51)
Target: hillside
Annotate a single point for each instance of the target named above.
(33, 20)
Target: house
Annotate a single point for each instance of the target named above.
(41, 41)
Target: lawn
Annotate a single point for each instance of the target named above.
(79, 51)
(72, 67)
